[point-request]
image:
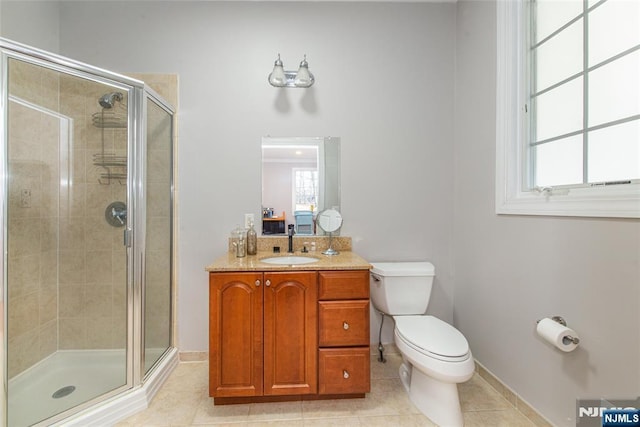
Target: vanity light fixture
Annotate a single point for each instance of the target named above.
(301, 78)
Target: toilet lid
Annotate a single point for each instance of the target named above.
(432, 335)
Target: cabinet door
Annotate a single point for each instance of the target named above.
(235, 334)
(290, 333)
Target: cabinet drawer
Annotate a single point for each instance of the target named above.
(344, 370)
(343, 323)
(343, 284)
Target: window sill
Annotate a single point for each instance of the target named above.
(579, 202)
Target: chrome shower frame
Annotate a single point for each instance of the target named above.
(139, 388)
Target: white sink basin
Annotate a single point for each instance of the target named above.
(290, 260)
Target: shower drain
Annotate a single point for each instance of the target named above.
(64, 391)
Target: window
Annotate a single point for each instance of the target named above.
(305, 189)
(568, 107)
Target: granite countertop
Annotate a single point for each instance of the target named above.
(345, 260)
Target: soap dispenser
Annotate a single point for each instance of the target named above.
(252, 240)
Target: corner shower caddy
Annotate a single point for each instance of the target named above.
(112, 116)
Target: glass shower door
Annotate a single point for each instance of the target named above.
(66, 289)
(157, 286)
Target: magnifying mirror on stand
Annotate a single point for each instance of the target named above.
(329, 221)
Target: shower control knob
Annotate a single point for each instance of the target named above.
(345, 326)
(257, 282)
(116, 214)
(345, 374)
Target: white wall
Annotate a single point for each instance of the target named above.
(34, 23)
(384, 85)
(513, 270)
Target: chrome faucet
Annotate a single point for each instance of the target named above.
(291, 233)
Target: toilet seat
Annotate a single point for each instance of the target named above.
(432, 337)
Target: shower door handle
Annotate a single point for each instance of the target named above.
(126, 237)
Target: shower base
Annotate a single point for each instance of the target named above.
(64, 380)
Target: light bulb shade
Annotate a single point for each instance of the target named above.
(281, 78)
(304, 78)
(277, 77)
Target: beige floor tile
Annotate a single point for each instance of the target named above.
(169, 408)
(183, 401)
(393, 402)
(189, 375)
(417, 420)
(330, 422)
(386, 386)
(477, 395)
(385, 370)
(208, 414)
(278, 423)
(330, 408)
(275, 411)
(502, 418)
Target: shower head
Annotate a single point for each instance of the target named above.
(107, 100)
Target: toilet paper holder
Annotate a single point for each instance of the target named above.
(568, 338)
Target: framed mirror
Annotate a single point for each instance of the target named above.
(300, 177)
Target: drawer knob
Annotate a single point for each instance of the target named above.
(345, 374)
(345, 325)
(267, 283)
(257, 282)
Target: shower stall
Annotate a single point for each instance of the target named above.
(87, 268)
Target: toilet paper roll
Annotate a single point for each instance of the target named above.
(557, 334)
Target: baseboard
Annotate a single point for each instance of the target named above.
(512, 397)
(194, 356)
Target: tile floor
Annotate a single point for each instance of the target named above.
(184, 401)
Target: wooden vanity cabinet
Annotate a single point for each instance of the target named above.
(343, 322)
(288, 335)
(263, 334)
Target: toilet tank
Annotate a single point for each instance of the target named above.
(401, 288)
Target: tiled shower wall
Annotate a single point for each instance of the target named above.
(32, 217)
(92, 262)
(67, 266)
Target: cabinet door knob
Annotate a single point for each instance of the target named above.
(267, 283)
(257, 282)
(345, 325)
(345, 374)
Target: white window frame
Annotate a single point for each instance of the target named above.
(512, 194)
(294, 186)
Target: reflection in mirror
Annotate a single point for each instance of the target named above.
(300, 177)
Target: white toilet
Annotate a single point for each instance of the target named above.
(436, 356)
